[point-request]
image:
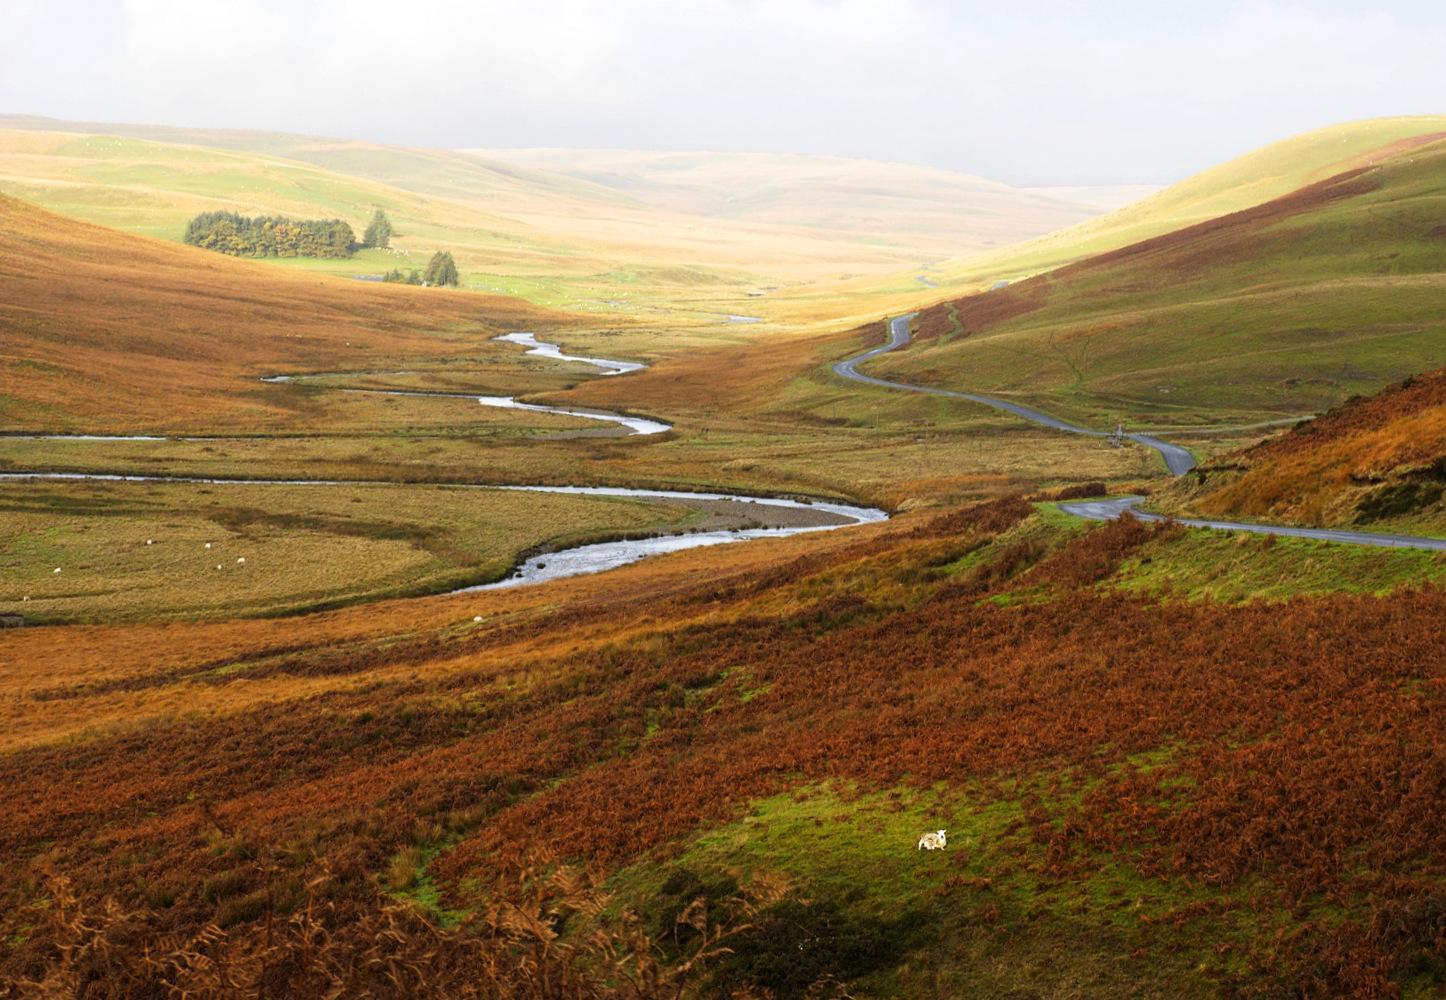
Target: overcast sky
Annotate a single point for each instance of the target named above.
(1024, 91)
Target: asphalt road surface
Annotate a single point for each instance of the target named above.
(1177, 459)
(1108, 510)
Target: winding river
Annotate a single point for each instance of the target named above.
(633, 425)
(584, 559)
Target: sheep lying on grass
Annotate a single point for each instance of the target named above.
(932, 841)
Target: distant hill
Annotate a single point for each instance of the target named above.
(934, 209)
(1282, 309)
(1243, 182)
(517, 229)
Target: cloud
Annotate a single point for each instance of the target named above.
(1033, 91)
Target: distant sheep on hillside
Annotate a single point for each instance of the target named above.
(932, 841)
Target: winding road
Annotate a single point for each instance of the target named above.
(1177, 459)
(1108, 510)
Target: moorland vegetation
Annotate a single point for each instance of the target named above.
(1170, 763)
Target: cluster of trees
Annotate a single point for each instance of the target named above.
(270, 236)
(275, 236)
(441, 270)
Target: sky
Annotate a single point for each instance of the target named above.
(1030, 92)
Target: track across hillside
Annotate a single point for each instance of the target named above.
(1108, 510)
(1177, 459)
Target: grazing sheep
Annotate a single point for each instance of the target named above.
(150, 541)
(57, 569)
(241, 561)
(932, 841)
(208, 545)
(218, 565)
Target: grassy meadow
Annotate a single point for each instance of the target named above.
(107, 551)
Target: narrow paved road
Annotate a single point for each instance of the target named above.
(1177, 459)
(1108, 510)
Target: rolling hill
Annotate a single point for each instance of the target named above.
(936, 211)
(1268, 313)
(107, 331)
(1244, 182)
(515, 229)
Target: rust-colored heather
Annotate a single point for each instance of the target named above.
(1294, 746)
(1300, 473)
(380, 949)
(980, 313)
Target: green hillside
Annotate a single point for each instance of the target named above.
(1280, 310)
(1244, 182)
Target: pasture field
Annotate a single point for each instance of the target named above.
(155, 551)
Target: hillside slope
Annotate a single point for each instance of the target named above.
(1145, 796)
(1276, 311)
(1244, 182)
(105, 330)
(1375, 460)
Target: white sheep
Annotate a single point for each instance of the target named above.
(932, 841)
(57, 569)
(241, 561)
(208, 545)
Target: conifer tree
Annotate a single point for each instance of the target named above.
(442, 270)
(378, 232)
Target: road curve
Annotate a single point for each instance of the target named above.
(1108, 510)
(1177, 459)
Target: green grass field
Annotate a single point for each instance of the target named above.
(146, 551)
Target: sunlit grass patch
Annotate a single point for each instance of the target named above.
(982, 917)
(1240, 566)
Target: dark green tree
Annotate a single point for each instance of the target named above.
(442, 270)
(379, 232)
